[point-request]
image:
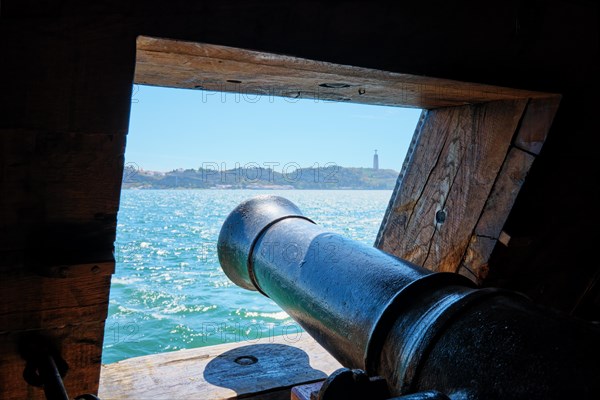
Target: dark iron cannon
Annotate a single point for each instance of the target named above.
(420, 332)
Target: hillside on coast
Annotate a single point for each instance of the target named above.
(328, 177)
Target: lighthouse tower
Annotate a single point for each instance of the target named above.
(375, 161)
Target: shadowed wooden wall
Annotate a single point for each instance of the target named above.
(67, 70)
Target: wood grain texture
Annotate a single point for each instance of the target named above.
(212, 372)
(304, 392)
(42, 303)
(506, 188)
(251, 74)
(64, 196)
(536, 123)
(59, 219)
(474, 265)
(496, 210)
(80, 346)
(458, 155)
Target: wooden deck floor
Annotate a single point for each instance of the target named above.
(265, 369)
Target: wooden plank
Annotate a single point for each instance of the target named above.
(306, 392)
(504, 193)
(39, 302)
(60, 177)
(406, 166)
(536, 123)
(458, 155)
(80, 269)
(213, 373)
(462, 270)
(79, 176)
(496, 211)
(475, 262)
(80, 346)
(60, 218)
(65, 190)
(173, 63)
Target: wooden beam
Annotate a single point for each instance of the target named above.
(59, 220)
(495, 212)
(250, 74)
(45, 303)
(536, 123)
(263, 369)
(306, 391)
(446, 181)
(80, 346)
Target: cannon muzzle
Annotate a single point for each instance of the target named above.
(417, 329)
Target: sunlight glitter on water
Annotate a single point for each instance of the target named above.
(169, 292)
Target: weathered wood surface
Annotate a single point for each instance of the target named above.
(80, 346)
(58, 204)
(64, 195)
(37, 302)
(447, 181)
(305, 392)
(213, 373)
(536, 123)
(489, 227)
(251, 74)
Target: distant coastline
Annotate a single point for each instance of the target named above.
(331, 177)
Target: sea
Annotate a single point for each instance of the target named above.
(169, 292)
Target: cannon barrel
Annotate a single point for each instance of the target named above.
(417, 329)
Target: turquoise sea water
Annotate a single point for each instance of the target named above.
(168, 291)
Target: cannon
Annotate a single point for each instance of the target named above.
(433, 335)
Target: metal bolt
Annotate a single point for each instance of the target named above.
(246, 360)
(440, 216)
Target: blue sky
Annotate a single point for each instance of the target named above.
(179, 128)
